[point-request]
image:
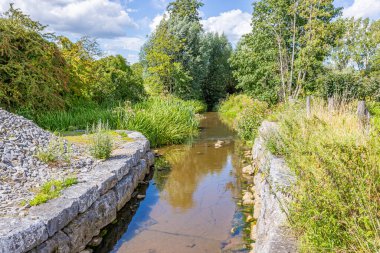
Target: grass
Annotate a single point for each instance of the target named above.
(336, 205)
(101, 143)
(243, 114)
(51, 190)
(163, 120)
(56, 151)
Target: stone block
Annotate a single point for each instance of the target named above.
(56, 213)
(84, 227)
(19, 235)
(85, 193)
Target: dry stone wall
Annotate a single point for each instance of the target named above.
(272, 180)
(68, 223)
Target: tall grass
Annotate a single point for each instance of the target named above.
(243, 114)
(79, 116)
(336, 205)
(163, 120)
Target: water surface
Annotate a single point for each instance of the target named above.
(191, 207)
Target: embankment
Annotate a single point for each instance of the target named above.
(272, 181)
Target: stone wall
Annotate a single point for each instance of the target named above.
(68, 223)
(271, 233)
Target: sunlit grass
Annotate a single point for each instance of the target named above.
(336, 201)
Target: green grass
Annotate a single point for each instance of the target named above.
(163, 120)
(51, 190)
(336, 205)
(243, 114)
(79, 116)
(101, 144)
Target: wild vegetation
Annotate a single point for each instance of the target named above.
(52, 189)
(336, 161)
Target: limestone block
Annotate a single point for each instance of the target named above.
(20, 235)
(56, 213)
(85, 193)
(59, 243)
(84, 227)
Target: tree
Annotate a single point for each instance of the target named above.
(33, 73)
(217, 50)
(290, 39)
(115, 81)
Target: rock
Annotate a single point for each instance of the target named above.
(219, 144)
(140, 196)
(249, 170)
(20, 235)
(87, 251)
(96, 241)
(248, 199)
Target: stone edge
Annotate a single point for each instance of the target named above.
(271, 232)
(45, 222)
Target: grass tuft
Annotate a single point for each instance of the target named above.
(51, 190)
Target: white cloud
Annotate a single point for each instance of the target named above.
(160, 4)
(122, 43)
(363, 9)
(156, 21)
(97, 18)
(233, 24)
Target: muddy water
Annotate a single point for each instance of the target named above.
(191, 207)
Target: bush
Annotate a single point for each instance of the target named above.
(52, 189)
(336, 205)
(163, 120)
(101, 141)
(243, 114)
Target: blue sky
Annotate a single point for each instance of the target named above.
(122, 26)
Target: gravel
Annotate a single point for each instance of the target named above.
(21, 172)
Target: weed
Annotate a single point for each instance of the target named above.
(337, 197)
(52, 189)
(101, 141)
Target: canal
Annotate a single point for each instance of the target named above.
(190, 204)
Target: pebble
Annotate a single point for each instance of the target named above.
(20, 169)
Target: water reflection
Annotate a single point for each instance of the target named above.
(191, 207)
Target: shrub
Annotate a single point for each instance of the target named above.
(163, 120)
(101, 141)
(57, 150)
(52, 189)
(336, 197)
(243, 114)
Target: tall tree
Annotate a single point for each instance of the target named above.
(217, 50)
(296, 36)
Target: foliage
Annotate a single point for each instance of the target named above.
(163, 120)
(51, 190)
(218, 75)
(287, 47)
(57, 150)
(80, 115)
(180, 59)
(32, 71)
(336, 197)
(243, 114)
(101, 142)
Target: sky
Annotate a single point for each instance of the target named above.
(122, 26)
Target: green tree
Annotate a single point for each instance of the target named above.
(289, 42)
(115, 81)
(217, 50)
(33, 73)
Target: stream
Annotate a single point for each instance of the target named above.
(191, 207)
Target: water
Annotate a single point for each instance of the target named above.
(189, 208)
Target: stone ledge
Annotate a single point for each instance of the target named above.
(68, 223)
(272, 234)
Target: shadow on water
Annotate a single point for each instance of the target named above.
(191, 207)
